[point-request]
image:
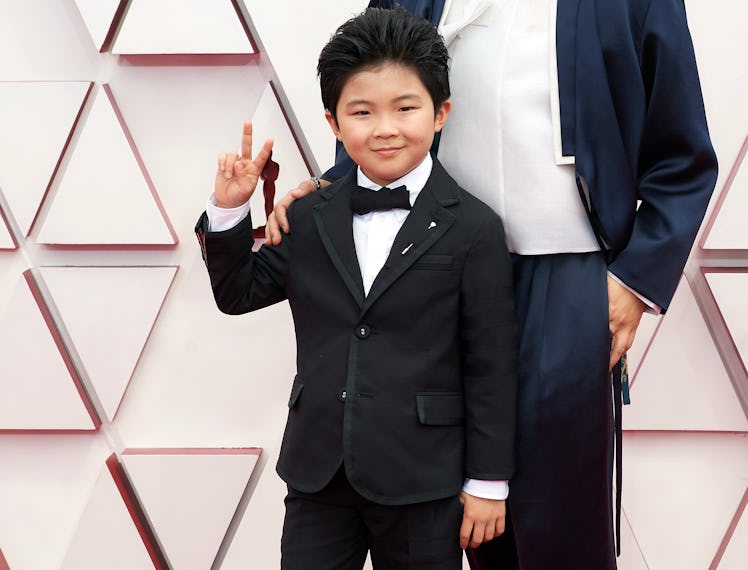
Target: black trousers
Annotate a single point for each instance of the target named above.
(335, 528)
(560, 499)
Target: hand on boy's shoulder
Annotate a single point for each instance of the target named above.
(482, 520)
(238, 174)
(277, 222)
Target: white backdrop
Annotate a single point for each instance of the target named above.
(139, 427)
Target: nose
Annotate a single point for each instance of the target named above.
(386, 127)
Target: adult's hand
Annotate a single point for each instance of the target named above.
(624, 313)
(237, 175)
(278, 219)
(482, 520)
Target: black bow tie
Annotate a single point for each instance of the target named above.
(365, 200)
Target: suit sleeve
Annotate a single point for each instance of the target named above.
(243, 280)
(489, 355)
(677, 167)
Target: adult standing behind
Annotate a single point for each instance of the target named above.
(581, 122)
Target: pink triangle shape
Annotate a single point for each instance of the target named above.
(682, 383)
(104, 194)
(31, 143)
(109, 313)
(730, 291)
(725, 228)
(733, 553)
(175, 27)
(38, 382)
(98, 16)
(6, 239)
(190, 496)
(106, 536)
(3, 563)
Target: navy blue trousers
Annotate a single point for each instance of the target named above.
(560, 500)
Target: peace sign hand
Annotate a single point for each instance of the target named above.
(237, 175)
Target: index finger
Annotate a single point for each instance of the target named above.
(247, 140)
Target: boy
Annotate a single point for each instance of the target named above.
(406, 341)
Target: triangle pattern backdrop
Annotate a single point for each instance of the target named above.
(104, 195)
(98, 16)
(699, 391)
(182, 27)
(106, 523)
(728, 229)
(730, 290)
(265, 121)
(6, 240)
(736, 553)
(190, 496)
(109, 313)
(668, 473)
(38, 391)
(31, 143)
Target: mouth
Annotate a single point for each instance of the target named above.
(387, 151)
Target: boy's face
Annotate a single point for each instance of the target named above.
(386, 121)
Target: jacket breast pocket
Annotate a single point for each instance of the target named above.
(440, 408)
(298, 385)
(435, 262)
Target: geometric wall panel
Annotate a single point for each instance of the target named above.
(631, 557)
(730, 291)
(265, 124)
(106, 536)
(644, 335)
(727, 228)
(98, 16)
(38, 392)
(182, 27)
(6, 240)
(698, 391)
(104, 195)
(109, 313)
(736, 553)
(190, 497)
(665, 475)
(31, 142)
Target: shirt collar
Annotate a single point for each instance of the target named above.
(414, 180)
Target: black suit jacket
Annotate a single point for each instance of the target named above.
(411, 386)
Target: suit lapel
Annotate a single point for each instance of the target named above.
(566, 61)
(334, 220)
(427, 222)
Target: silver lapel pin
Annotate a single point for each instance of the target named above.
(431, 225)
(406, 250)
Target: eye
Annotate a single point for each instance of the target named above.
(360, 113)
(407, 108)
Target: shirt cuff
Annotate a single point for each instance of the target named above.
(222, 219)
(652, 308)
(497, 490)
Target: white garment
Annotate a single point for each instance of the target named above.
(501, 139)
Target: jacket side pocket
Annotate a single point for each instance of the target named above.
(440, 408)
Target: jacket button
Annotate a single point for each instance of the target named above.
(343, 395)
(363, 331)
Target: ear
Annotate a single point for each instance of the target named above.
(441, 115)
(333, 125)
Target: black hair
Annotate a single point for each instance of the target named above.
(378, 36)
